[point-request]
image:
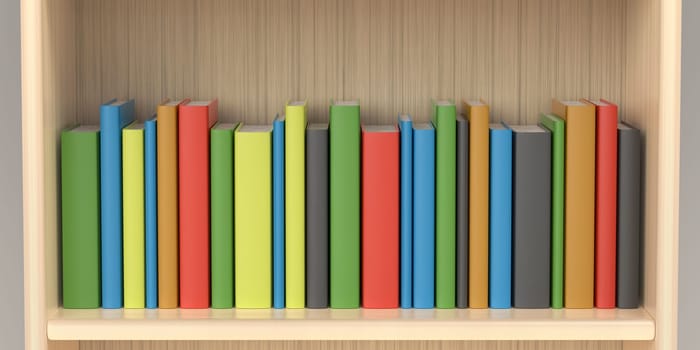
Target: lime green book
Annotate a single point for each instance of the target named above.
(221, 185)
(445, 122)
(133, 210)
(80, 217)
(557, 127)
(345, 204)
(295, 203)
(253, 216)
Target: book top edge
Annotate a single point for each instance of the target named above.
(476, 103)
(497, 126)
(280, 117)
(117, 103)
(532, 128)
(624, 126)
(225, 126)
(255, 128)
(134, 126)
(444, 103)
(317, 126)
(173, 103)
(423, 126)
(346, 103)
(572, 103)
(85, 128)
(379, 128)
(296, 103)
(405, 117)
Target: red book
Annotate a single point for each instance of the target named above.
(195, 120)
(380, 216)
(605, 203)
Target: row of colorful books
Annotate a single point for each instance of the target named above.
(184, 211)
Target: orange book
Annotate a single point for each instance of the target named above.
(167, 204)
(579, 202)
(478, 115)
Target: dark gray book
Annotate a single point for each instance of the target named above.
(317, 216)
(462, 212)
(532, 147)
(628, 215)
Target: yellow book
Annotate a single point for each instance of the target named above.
(579, 201)
(295, 202)
(253, 216)
(478, 114)
(133, 216)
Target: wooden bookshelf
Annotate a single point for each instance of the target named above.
(392, 55)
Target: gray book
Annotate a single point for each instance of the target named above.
(628, 215)
(462, 212)
(317, 216)
(531, 216)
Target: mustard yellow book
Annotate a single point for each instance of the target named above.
(134, 234)
(295, 203)
(579, 202)
(478, 114)
(253, 216)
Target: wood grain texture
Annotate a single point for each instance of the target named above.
(393, 55)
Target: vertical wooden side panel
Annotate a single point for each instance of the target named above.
(607, 49)
(145, 55)
(474, 47)
(538, 58)
(177, 38)
(355, 18)
(89, 71)
(573, 49)
(506, 58)
(114, 53)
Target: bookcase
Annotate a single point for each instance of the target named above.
(392, 55)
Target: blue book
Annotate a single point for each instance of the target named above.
(500, 208)
(406, 127)
(423, 216)
(114, 116)
(278, 213)
(151, 198)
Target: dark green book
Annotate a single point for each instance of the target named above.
(345, 204)
(221, 155)
(444, 120)
(80, 217)
(557, 126)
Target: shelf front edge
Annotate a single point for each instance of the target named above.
(512, 324)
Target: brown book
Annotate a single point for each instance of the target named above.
(478, 115)
(579, 203)
(167, 205)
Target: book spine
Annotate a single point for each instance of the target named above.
(194, 206)
(406, 127)
(531, 219)
(462, 213)
(445, 202)
(424, 218)
(80, 219)
(345, 206)
(151, 199)
(134, 219)
(253, 219)
(500, 207)
(478, 208)
(579, 205)
(628, 223)
(168, 231)
(605, 205)
(278, 244)
(380, 219)
(221, 218)
(317, 218)
(558, 131)
(295, 220)
(112, 120)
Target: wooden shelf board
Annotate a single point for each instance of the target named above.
(361, 324)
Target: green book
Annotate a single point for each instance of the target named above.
(80, 217)
(345, 204)
(556, 126)
(444, 120)
(221, 185)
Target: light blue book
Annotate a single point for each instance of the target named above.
(278, 212)
(406, 128)
(151, 198)
(423, 216)
(114, 116)
(500, 212)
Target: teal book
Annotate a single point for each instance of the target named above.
(445, 123)
(345, 204)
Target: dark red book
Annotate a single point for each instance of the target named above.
(195, 120)
(380, 216)
(605, 203)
